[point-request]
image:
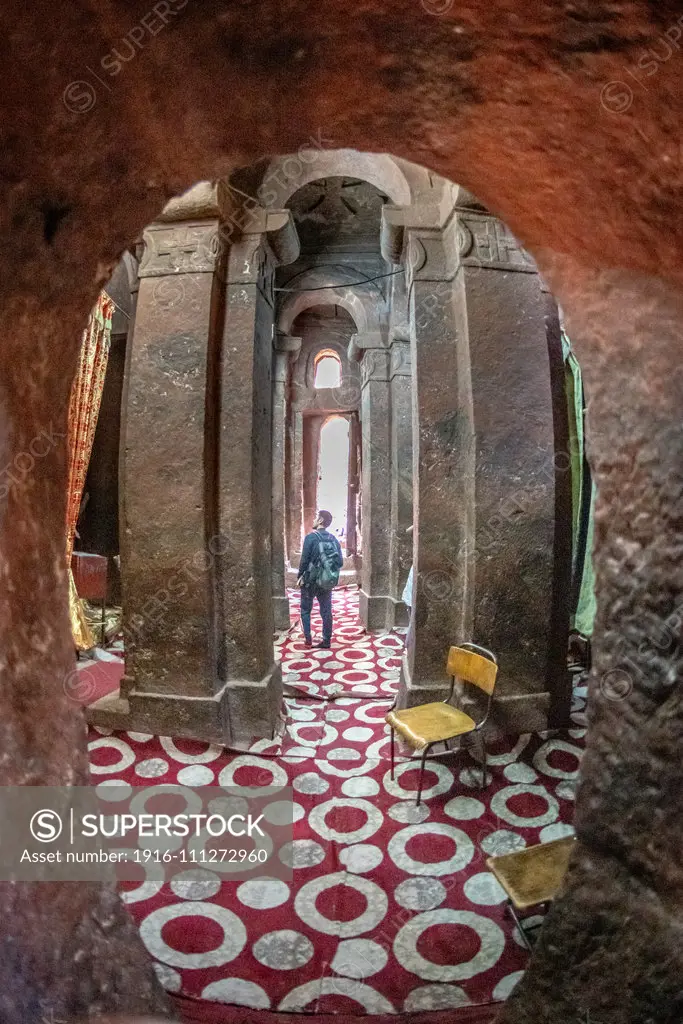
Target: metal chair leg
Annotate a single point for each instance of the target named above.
(422, 770)
(483, 762)
(520, 927)
(391, 731)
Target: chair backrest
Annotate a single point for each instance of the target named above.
(474, 668)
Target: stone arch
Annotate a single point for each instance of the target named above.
(331, 287)
(285, 175)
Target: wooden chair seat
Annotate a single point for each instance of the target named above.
(430, 723)
(534, 875)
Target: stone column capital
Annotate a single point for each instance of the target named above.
(484, 241)
(280, 230)
(181, 247)
(286, 343)
(401, 360)
(275, 227)
(360, 343)
(375, 365)
(432, 254)
(431, 212)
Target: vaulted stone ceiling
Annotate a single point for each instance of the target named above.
(339, 213)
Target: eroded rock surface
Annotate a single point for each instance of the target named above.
(565, 120)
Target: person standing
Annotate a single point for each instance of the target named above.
(321, 560)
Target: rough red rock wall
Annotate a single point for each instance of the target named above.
(562, 120)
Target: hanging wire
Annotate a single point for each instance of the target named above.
(341, 284)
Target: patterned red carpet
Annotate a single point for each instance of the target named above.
(391, 908)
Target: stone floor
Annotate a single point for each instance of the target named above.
(390, 907)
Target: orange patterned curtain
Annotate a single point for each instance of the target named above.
(84, 408)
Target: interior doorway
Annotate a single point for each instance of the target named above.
(333, 474)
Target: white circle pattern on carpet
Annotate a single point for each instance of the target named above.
(379, 906)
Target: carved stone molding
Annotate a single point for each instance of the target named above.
(484, 241)
(432, 255)
(248, 261)
(287, 343)
(375, 365)
(360, 342)
(276, 226)
(191, 247)
(401, 360)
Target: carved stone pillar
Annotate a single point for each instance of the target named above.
(245, 482)
(197, 481)
(295, 511)
(277, 518)
(312, 427)
(376, 604)
(443, 453)
(168, 541)
(401, 473)
(284, 347)
(354, 486)
(75, 952)
(523, 477)
(489, 409)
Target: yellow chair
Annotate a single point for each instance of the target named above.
(532, 876)
(423, 726)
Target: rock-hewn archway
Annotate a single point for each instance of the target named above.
(565, 120)
(286, 175)
(335, 287)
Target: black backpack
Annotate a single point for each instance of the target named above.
(324, 571)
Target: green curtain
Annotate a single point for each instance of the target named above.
(583, 604)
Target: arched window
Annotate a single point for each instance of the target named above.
(327, 370)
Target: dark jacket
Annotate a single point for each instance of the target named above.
(309, 552)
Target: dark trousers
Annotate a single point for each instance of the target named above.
(325, 602)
